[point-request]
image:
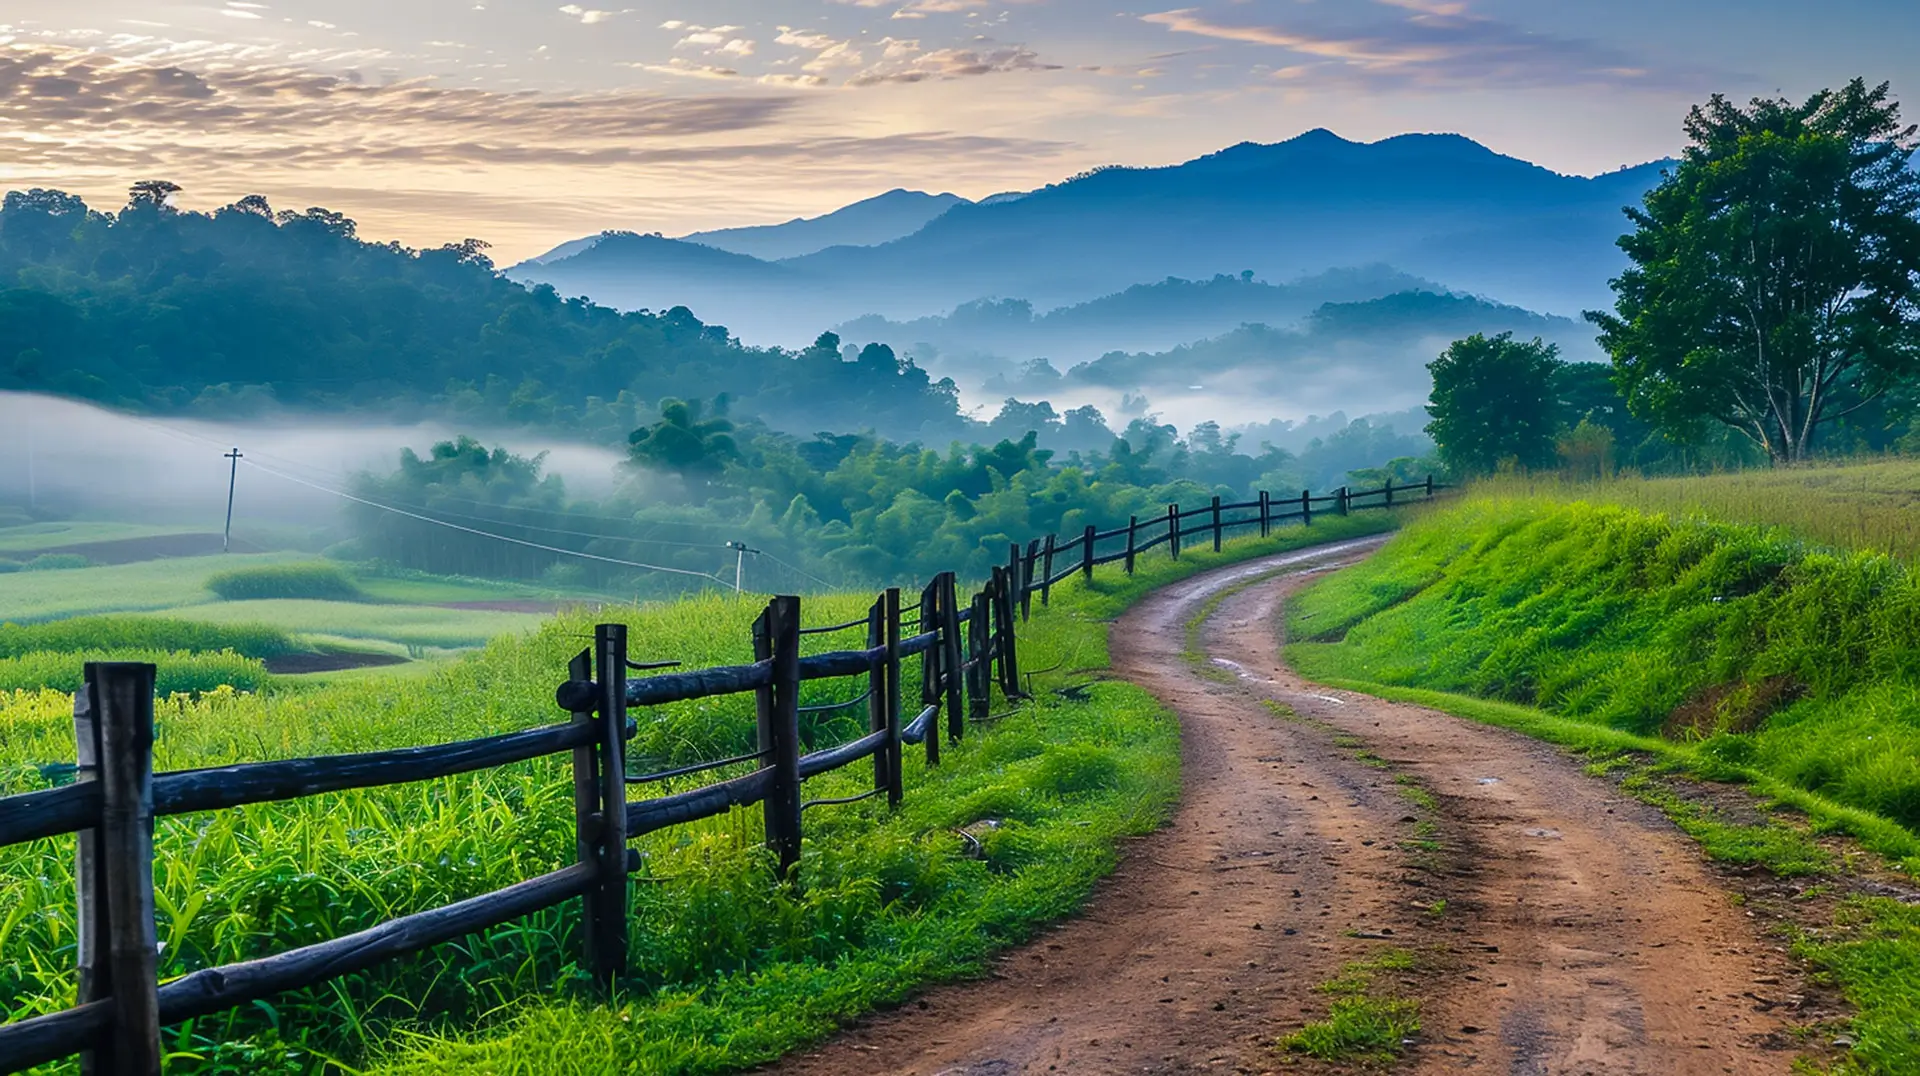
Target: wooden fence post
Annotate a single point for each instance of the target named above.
(779, 726)
(1026, 580)
(933, 662)
(610, 941)
(118, 948)
(1086, 553)
(1007, 652)
(1013, 572)
(586, 818)
(1046, 569)
(979, 656)
(1346, 501)
(1216, 524)
(877, 690)
(1306, 507)
(891, 640)
(1173, 530)
(1429, 487)
(1266, 513)
(1133, 524)
(953, 665)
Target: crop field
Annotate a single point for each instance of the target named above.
(26, 539)
(727, 968)
(1729, 650)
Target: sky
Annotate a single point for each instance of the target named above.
(526, 123)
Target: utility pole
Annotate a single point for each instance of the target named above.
(233, 472)
(740, 552)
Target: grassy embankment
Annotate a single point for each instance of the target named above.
(727, 969)
(1727, 651)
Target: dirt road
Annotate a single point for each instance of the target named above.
(1579, 931)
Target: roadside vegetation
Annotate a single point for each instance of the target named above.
(1662, 645)
(727, 968)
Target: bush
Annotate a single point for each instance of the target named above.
(53, 562)
(143, 633)
(177, 671)
(7, 565)
(306, 580)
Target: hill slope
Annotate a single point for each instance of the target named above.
(879, 219)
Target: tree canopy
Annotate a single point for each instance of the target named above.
(1775, 277)
(1494, 403)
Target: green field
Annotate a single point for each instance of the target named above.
(29, 538)
(1727, 650)
(728, 969)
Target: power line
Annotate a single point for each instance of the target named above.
(484, 534)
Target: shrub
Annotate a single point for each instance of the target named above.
(176, 671)
(307, 580)
(53, 562)
(7, 565)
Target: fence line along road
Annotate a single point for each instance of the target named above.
(966, 655)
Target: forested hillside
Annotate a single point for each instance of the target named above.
(242, 308)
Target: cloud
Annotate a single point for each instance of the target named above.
(81, 98)
(587, 16)
(1438, 45)
(909, 64)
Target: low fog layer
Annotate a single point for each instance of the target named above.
(70, 457)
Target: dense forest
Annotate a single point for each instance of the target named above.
(234, 311)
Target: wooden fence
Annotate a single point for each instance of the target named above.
(965, 654)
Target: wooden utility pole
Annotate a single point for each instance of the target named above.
(233, 473)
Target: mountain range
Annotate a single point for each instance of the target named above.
(1433, 206)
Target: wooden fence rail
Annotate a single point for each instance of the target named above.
(966, 654)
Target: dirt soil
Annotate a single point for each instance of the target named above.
(1581, 933)
(156, 547)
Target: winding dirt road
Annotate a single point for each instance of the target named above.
(1579, 933)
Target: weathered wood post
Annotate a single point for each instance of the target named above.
(610, 942)
(1306, 507)
(979, 659)
(1429, 487)
(1046, 569)
(779, 726)
(891, 640)
(1133, 525)
(1389, 489)
(118, 948)
(1216, 524)
(953, 665)
(1026, 580)
(1346, 501)
(1173, 530)
(933, 662)
(1266, 513)
(586, 820)
(1086, 553)
(877, 689)
(1006, 651)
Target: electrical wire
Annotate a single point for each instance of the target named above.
(484, 534)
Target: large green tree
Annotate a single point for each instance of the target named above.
(1494, 402)
(1775, 277)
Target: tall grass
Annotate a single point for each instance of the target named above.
(308, 579)
(143, 633)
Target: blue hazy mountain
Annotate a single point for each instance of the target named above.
(865, 223)
(1438, 207)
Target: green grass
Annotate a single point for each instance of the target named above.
(30, 538)
(1366, 1021)
(144, 633)
(352, 623)
(1663, 645)
(27, 597)
(305, 579)
(728, 969)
